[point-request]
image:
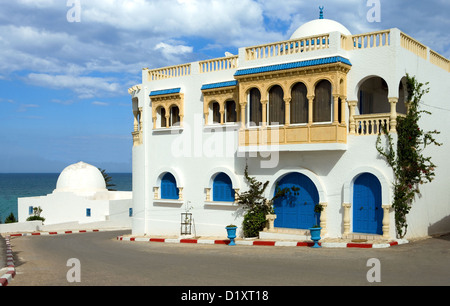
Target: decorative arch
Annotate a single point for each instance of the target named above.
(212, 174)
(386, 196)
(308, 173)
(173, 171)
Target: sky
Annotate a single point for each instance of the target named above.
(66, 65)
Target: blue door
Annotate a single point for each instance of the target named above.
(222, 188)
(296, 209)
(367, 212)
(169, 189)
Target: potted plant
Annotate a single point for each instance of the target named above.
(315, 230)
(231, 233)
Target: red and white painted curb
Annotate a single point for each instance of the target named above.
(264, 243)
(11, 270)
(53, 233)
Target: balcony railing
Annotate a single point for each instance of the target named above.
(366, 40)
(288, 47)
(218, 64)
(372, 124)
(169, 72)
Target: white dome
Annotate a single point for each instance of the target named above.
(80, 178)
(318, 27)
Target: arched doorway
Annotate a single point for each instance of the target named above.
(296, 209)
(367, 211)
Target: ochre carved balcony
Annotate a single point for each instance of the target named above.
(293, 137)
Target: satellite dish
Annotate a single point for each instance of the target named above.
(228, 54)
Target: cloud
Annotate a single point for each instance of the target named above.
(85, 86)
(98, 103)
(25, 107)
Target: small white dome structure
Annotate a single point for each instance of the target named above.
(319, 26)
(80, 178)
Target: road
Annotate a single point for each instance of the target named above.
(105, 261)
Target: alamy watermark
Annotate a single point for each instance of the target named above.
(74, 273)
(374, 13)
(374, 273)
(74, 13)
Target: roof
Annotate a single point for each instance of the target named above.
(307, 63)
(165, 92)
(319, 27)
(219, 85)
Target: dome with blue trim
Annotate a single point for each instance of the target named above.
(319, 26)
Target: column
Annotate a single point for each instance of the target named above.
(351, 119)
(393, 116)
(343, 118)
(287, 105)
(346, 219)
(336, 109)
(180, 193)
(386, 221)
(243, 114)
(323, 218)
(310, 109)
(136, 122)
(236, 195)
(208, 194)
(264, 112)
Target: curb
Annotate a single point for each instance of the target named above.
(266, 243)
(8, 276)
(52, 233)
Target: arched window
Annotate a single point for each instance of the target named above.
(255, 107)
(276, 106)
(161, 117)
(223, 188)
(169, 188)
(174, 116)
(299, 104)
(322, 106)
(230, 111)
(373, 96)
(215, 111)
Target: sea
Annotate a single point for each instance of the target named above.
(20, 185)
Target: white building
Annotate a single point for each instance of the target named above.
(301, 112)
(80, 196)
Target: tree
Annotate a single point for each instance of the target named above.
(107, 179)
(411, 169)
(10, 219)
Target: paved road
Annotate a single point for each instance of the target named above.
(104, 261)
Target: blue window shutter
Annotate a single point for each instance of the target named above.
(30, 210)
(169, 189)
(88, 212)
(223, 188)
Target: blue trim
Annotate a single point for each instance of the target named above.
(169, 189)
(367, 211)
(307, 63)
(219, 85)
(165, 92)
(222, 188)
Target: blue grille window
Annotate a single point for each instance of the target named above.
(223, 188)
(169, 188)
(30, 210)
(88, 212)
(130, 212)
